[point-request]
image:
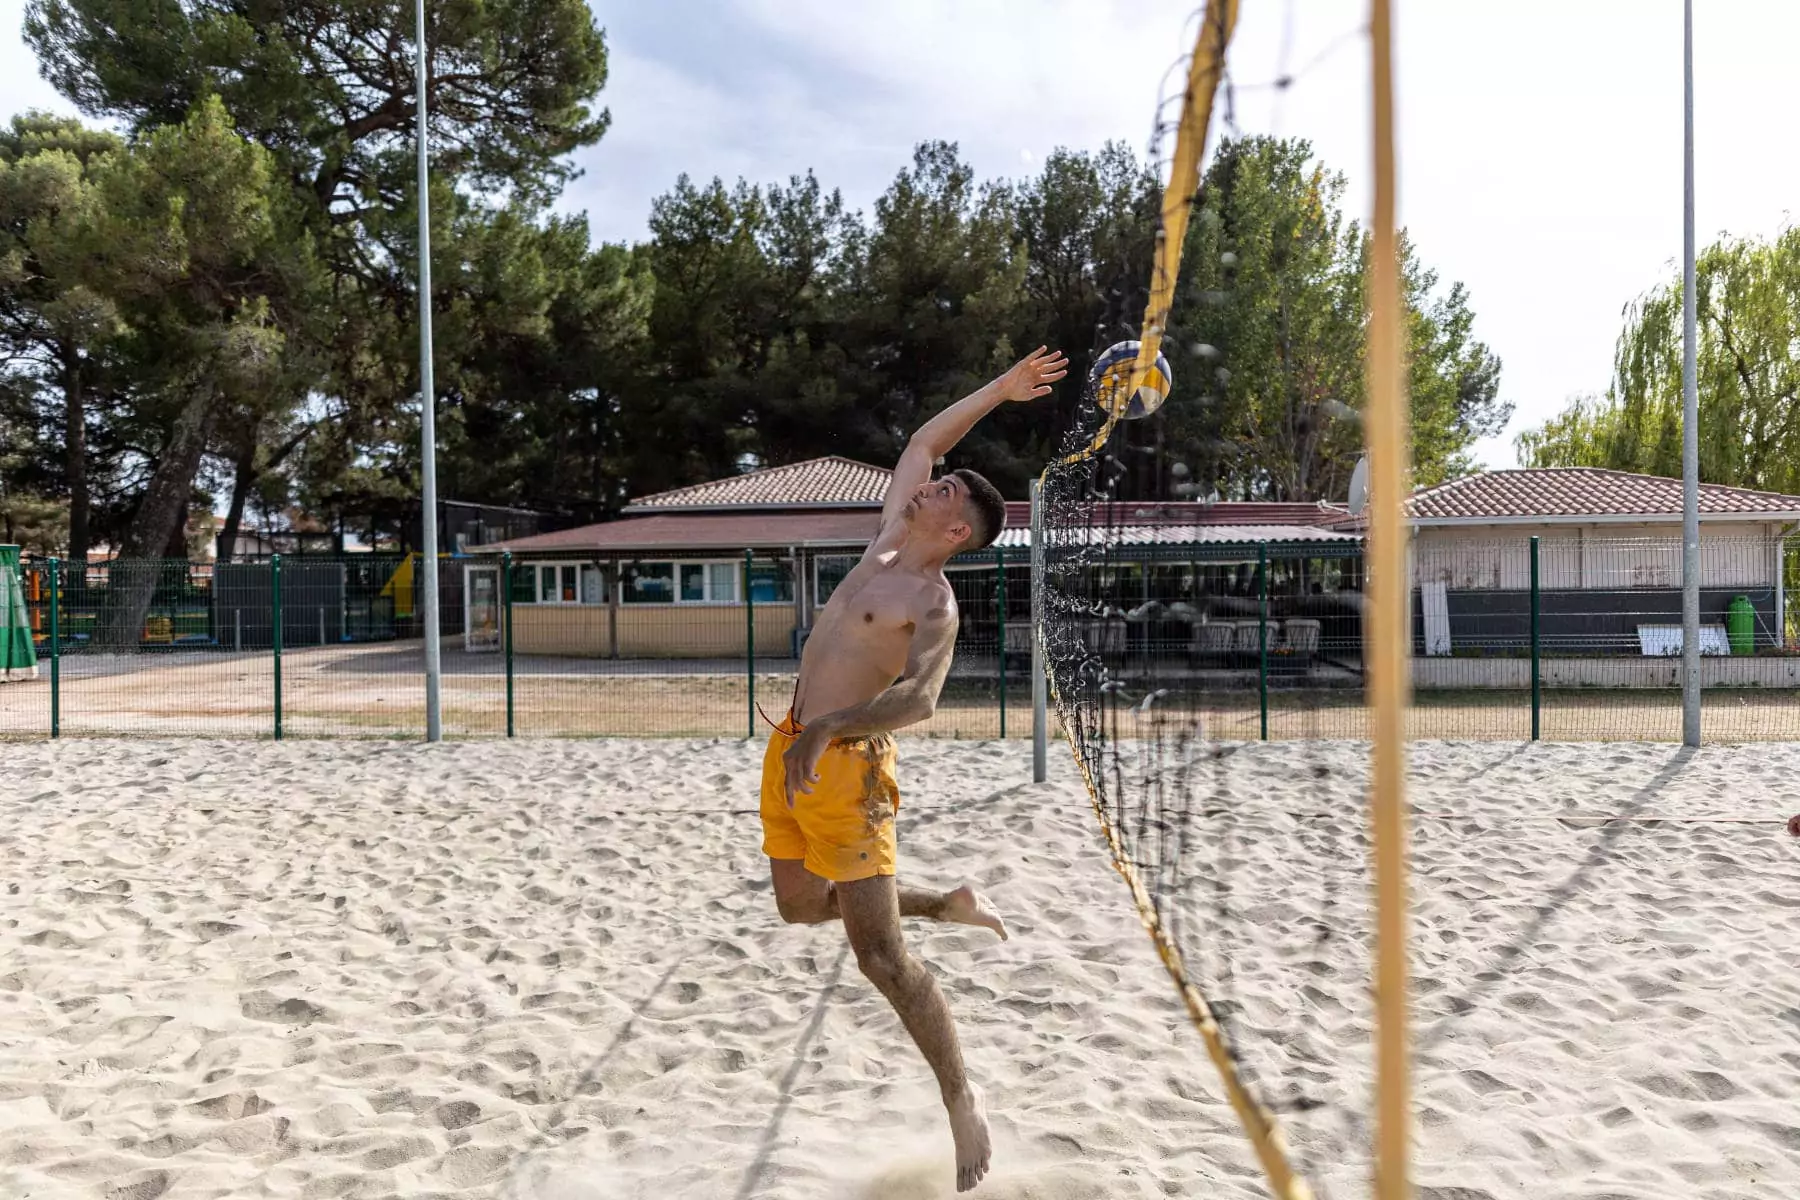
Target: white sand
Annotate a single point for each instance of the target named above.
(554, 969)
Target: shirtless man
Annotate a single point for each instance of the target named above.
(873, 664)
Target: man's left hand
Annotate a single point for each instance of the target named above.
(799, 763)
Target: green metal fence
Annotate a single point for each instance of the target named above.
(1512, 640)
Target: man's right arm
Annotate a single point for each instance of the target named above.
(1027, 379)
(913, 469)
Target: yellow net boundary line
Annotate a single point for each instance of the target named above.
(1204, 72)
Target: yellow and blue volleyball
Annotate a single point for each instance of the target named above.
(1111, 378)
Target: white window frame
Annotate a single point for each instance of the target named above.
(578, 566)
(819, 598)
(705, 564)
(794, 578)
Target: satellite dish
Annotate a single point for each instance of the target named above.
(1359, 485)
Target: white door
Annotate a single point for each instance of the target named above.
(481, 612)
(1437, 618)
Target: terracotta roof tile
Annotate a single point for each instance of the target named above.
(1135, 524)
(834, 482)
(1583, 492)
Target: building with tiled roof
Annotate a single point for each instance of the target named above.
(1585, 495)
(665, 577)
(670, 575)
(1609, 549)
(835, 502)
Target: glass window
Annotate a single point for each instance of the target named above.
(649, 583)
(828, 572)
(558, 583)
(771, 583)
(722, 581)
(693, 581)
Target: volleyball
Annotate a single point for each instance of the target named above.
(1111, 382)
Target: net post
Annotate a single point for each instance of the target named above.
(1690, 414)
(1262, 635)
(55, 648)
(1389, 642)
(749, 647)
(275, 610)
(1536, 678)
(1040, 690)
(1000, 627)
(506, 617)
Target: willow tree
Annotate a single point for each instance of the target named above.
(1747, 300)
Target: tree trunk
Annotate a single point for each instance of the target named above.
(243, 476)
(75, 441)
(131, 582)
(177, 546)
(246, 474)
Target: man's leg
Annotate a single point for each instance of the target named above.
(871, 912)
(805, 899)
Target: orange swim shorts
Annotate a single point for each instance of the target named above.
(843, 830)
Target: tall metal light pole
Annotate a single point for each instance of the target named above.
(434, 726)
(1690, 417)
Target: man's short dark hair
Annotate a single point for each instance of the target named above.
(985, 508)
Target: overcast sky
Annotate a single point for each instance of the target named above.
(1540, 141)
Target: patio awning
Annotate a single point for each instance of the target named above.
(1174, 536)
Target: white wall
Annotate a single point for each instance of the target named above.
(1481, 557)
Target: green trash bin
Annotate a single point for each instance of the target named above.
(1740, 625)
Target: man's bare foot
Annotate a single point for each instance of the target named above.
(969, 1127)
(966, 906)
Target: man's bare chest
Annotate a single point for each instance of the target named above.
(879, 603)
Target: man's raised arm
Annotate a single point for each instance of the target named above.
(1028, 379)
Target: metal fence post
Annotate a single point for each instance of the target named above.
(1262, 635)
(1537, 698)
(55, 649)
(750, 646)
(506, 617)
(275, 607)
(1000, 610)
(1040, 680)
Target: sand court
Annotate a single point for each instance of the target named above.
(554, 969)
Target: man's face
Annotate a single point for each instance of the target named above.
(935, 509)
